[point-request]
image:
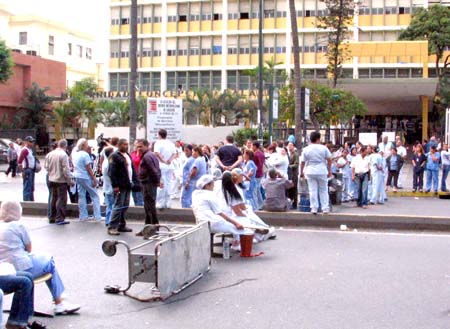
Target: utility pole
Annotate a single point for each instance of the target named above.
(260, 67)
(133, 71)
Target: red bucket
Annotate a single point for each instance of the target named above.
(246, 245)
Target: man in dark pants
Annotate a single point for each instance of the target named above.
(12, 160)
(293, 173)
(122, 174)
(59, 178)
(150, 177)
(27, 164)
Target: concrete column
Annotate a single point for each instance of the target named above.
(164, 47)
(224, 82)
(424, 116)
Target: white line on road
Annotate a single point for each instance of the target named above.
(350, 231)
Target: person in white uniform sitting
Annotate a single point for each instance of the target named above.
(206, 208)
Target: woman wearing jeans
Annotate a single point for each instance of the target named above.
(432, 167)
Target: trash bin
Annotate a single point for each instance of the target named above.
(303, 195)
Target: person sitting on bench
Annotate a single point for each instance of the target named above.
(15, 248)
(22, 307)
(206, 208)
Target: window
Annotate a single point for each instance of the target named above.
(404, 10)
(69, 49)
(80, 51)
(364, 73)
(217, 50)
(269, 13)
(390, 10)
(217, 17)
(194, 51)
(88, 53)
(206, 51)
(22, 38)
(376, 73)
(125, 21)
(205, 81)
(113, 82)
(244, 16)
(32, 52)
(183, 18)
(123, 82)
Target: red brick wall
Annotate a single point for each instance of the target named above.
(28, 69)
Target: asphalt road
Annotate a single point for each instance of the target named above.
(305, 279)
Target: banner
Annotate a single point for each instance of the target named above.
(368, 139)
(164, 113)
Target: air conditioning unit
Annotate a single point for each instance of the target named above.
(32, 52)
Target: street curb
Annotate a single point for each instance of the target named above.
(295, 218)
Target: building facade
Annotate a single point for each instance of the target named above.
(28, 69)
(38, 36)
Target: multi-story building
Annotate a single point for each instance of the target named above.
(210, 44)
(38, 36)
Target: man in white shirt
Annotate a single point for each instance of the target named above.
(385, 146)
(316, 165)
(401, 150)
(445, 158)
(360, 174)
(165, 152)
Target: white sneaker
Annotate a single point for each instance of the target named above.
(66, 308)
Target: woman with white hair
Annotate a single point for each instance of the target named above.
(15, 248)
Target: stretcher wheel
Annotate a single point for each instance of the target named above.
(109, 248)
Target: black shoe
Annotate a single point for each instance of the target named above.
(124, 229)
(62, 222)
(51, 221)
(36, 325)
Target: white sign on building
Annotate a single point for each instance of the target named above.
(164, 113)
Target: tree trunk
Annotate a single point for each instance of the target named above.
(297, 77)
(133, 71)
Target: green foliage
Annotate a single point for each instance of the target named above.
(337, 22)
(212, 108)
(242, 135)
(270, 72)
(286, 103)
(444, 97)
(327, 105)
(113, 113)
(86, 87)
(432, 24)
(6, 63)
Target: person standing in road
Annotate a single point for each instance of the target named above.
(136, 191)
(27, 164)
(150, 177)
(122, 174)
(316, 166)
(228, 156)
(11, 157)
(259, 159)
(165, 152)
(293, 173)
(361, 175)
(445, 158)
(432, 168)
(85, 180)
(59, 177)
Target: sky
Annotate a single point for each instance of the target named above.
(91, 16)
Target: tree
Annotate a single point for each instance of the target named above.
(336, 22)
(432, 24)
(65, 116)
(33, 112)
(113, 113)
(297, 75)
(270, 73)
(6, 63)
(327, 105)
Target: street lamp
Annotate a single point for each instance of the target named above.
(260, 67)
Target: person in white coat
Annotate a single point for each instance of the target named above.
(165, 151)
(377, 170)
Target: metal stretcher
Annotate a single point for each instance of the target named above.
(172, 258)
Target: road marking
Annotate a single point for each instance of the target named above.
(350, 231)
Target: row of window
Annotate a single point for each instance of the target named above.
(239, 80)
(271, 13)
(216, 50)
(23, 40)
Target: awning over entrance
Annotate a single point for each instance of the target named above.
(393, 96)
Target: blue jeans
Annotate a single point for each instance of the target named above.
(445, 171)
(109, 201)
(138, 198)
(121, 204)
(28, 184)
(83, 186)
(432, 177)
(43, 264)
(186, 194)
(22, 306)
(362, 187)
